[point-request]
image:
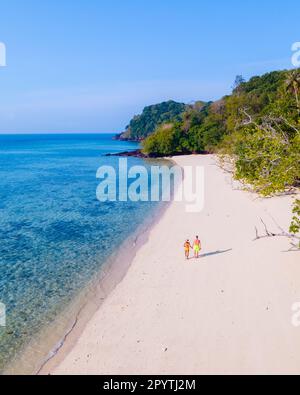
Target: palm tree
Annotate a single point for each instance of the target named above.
(293, 85)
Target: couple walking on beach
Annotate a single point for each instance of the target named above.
(196, 247)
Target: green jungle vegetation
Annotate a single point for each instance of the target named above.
(256, 128)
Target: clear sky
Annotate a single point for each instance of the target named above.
(90, 65)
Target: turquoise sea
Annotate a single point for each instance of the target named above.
(54, 234)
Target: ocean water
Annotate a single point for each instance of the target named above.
(54, 234)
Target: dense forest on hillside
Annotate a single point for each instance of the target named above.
(146, 123)
(256, 129)
(257, 125)
(204, 127)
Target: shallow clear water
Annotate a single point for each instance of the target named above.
(54, 234)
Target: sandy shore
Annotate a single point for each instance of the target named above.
(228, 312)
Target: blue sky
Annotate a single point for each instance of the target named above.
(90, 65)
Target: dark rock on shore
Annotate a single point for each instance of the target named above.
(136, 154)
(139, 154)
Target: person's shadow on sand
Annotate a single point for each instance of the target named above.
(214, 253)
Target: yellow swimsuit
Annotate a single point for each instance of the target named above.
(187, 247)
(197, 246)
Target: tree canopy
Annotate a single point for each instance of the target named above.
(258, 125)
(146, 123)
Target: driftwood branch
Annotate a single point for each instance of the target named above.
(268, 233)
(282, 233)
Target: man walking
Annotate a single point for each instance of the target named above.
(197, 247)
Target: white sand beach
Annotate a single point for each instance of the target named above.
(229, 312)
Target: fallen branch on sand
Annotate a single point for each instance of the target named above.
(282, 233)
